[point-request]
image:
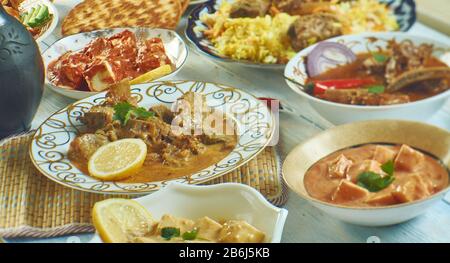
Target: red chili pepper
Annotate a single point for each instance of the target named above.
(321, 86)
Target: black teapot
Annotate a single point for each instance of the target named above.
(21, 76)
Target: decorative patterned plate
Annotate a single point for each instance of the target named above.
(404, 10)
(175, 47)
(255, 126)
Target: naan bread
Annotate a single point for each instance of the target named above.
(99, 14)
(184, 5)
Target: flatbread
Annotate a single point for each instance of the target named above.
(184, 5)
(100, 14)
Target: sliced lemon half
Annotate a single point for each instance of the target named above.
(152, 75)
(120, 220)
(118, 160)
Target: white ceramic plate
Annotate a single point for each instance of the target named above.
(339, 113)
(175, 48)
(28, 4)
(220, 202)
(254, 121)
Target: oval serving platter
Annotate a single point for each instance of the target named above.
(50, 144)
(404, 10)
(175, 47)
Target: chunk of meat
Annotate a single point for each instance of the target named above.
(227, 140)
(363, 97)
(151, 54)
(405, 57)
(97, 117)
(338, 167)
(120, 92)
(348, 191)
(365, 166)
(84, 146)
(236, 231)
(249, 8)
(208, 229)
(68, 70)
(414, 188)
(408, 159)
(163, 112)
(301, 7)
(383, 154)
(310, 29)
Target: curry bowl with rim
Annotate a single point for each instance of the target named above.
(426, 138)
(220, 202)
(340, 113)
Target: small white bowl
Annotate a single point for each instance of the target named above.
(28, 4)
(339, 113)
(220, 202)
(422, 136)
(174, 45)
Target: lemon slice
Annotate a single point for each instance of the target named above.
(120, 220)
(151, 75)
(117, 160)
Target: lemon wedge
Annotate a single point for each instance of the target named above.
(120, 220)
(151, 75)
(118, 160)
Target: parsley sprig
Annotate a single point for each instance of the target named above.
(123, 111)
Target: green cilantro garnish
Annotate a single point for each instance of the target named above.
(376, 89)
(170, 232)
(380, 58)
(190, 235)
(375, 182)
(123, 111)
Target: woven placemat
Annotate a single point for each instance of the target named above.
(33, 206)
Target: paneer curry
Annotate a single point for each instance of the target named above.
(403, 72)
(171, 153)
(177, 229)
(375, 175)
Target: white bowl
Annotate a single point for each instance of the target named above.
(422, 136)
(28, 4)
(339, 113)
(174, 45)
(220, 202)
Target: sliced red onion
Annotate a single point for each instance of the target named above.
(327, 55)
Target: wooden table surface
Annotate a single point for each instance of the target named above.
(304, 223)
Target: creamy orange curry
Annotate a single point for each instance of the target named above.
(170, 153)
(375, 175)
(177, 229)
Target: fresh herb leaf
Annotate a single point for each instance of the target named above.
(377, 89)
(309, 87)
(388, 168)
(170, 232)
(380, 58)
(123, 111)
(142, 113)
(190, 235)
(373, 181)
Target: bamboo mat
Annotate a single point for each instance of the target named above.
(33, 206)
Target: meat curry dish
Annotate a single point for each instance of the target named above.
(203, 230)
(170, 154)
(375, 175)
(402, 73)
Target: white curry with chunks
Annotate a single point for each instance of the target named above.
(171, 153)
(375, 175)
